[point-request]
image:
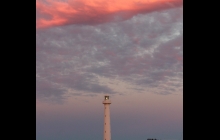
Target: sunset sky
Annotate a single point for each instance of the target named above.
(129, 49)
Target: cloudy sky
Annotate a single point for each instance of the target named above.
(129, 49)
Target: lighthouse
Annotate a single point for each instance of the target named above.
(107, 126)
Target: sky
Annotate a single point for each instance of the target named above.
(131, 50)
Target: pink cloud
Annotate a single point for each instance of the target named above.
(57, 13)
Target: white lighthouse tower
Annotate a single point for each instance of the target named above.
(107, 126)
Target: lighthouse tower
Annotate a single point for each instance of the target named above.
(107, 127)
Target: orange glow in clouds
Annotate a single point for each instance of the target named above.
(57, 12)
